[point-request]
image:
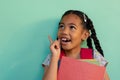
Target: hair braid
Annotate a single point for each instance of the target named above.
(94, 37)
(89, 42)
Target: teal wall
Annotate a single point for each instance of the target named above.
(25, 25)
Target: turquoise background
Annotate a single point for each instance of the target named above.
(25, 25)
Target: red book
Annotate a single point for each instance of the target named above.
(72, 69)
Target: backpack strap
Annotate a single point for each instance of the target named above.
(62, 54)
(86, 53)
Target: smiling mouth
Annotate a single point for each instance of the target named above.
(65, 40)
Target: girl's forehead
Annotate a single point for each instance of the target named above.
(71, 18)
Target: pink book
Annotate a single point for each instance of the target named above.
(72, 69)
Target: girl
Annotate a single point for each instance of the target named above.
(74, 28)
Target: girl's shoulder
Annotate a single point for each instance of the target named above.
(96, 55)
(46, 61)
(99, 58)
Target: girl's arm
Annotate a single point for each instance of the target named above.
(106, 76)
(51, 70)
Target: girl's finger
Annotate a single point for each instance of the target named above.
(50, 39)
(58, 43)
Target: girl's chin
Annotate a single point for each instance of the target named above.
(66, 48)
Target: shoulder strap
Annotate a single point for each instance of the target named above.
(85, 53)
(62, 54)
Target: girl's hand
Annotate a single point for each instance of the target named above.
(55, 48)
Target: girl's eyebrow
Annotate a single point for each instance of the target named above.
(73, 24)
(60, 23)
(68, 23)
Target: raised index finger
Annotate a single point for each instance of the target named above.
(50, 39)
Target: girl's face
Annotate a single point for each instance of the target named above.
(71, 32)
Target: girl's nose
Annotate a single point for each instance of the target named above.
(65, 30)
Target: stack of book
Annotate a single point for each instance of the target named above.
(82, 69)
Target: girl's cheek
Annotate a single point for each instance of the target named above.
(58, 34)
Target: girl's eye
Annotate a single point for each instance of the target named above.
(72, 27)
(61, 27)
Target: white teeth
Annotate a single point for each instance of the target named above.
(63, 39)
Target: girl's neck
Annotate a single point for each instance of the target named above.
(73, 53)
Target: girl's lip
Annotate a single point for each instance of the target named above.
(64, 37)
(64, 43)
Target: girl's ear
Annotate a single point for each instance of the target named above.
(85, 35)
